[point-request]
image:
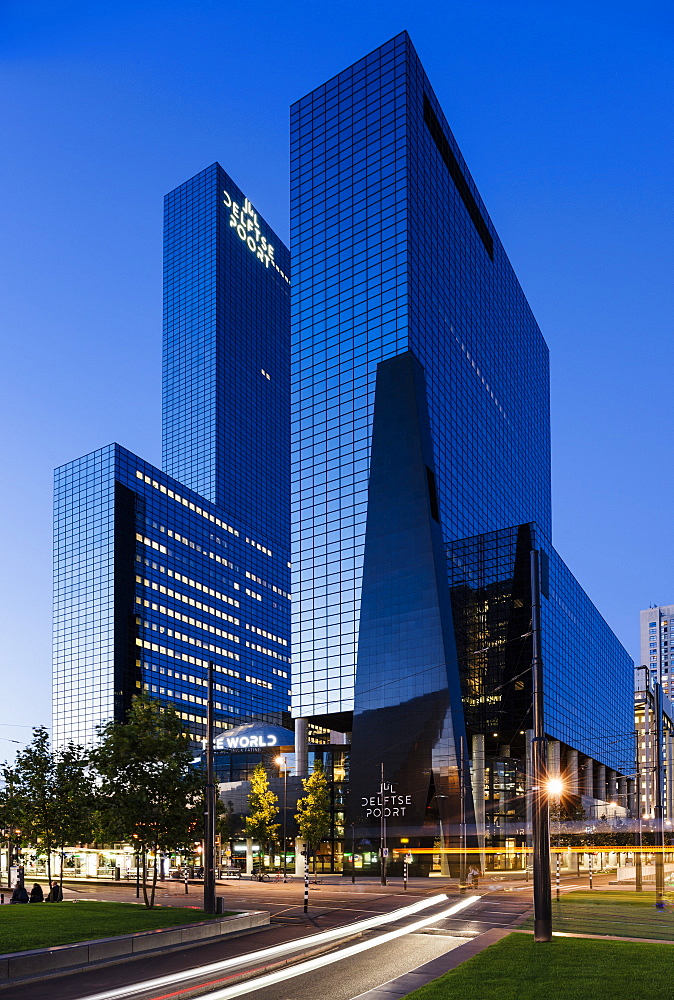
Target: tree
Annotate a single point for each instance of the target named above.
(313, 810)
(148, 785)
(263, 810)
(11, 813)
(73, 792)
(54, 791)
(226, 823)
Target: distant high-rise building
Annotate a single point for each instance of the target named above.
(656, 628)
(156, 573)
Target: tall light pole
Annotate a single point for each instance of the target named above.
(659, 810)
(209, 811)
(540, 819)
(280, 760)
(382, 830)
(555, 787)
(638, 869)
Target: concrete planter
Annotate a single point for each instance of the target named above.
(22, 965)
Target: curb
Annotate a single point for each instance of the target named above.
(45, 963)
(603, 937)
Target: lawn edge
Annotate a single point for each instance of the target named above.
(45, 963)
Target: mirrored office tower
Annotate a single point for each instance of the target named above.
(393, 251)
(158, 572)
(420, 417)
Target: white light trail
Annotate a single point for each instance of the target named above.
(288, 947)
(336, 956)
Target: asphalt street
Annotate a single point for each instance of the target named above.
(332, 904)
(355, 975)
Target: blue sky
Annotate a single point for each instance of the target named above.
(564, 115)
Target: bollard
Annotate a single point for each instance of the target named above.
(405, 875)
(590, 871)
(186, 885)
(2, 899)
(306, 890)
(557, 876)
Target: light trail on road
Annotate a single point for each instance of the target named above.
(323, 937)
(272, 978)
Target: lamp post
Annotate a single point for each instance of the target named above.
(540, 819)
(659, 808)
(638, 868)
(555, 787)
(280, 760)
(209, 812)
(382, 831)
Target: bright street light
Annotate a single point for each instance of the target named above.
(555, 786)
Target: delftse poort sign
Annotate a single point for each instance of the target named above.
(244, 220)
(395, 804)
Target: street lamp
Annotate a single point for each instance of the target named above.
(280, 760)
(540, 820)
(555, 787)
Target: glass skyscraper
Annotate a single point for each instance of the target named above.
(225, 373)
(156, 573)
(420, 423)
(393, 251)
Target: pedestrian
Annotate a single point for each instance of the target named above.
(36, 894)
(19, 895)
(55, 894)
(474, 874)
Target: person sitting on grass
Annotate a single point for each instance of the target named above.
(55, 894)
(19, 895)
(36, 894)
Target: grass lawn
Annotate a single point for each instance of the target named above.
(565, 969)
(625, 914)
(44, 925)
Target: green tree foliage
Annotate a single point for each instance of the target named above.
(149, 791)
(74, 793)
(11, 811)
(54, 795)
(313, 810)
(261, 822)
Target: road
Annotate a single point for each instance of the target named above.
(332, 905)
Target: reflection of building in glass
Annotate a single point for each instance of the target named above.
(240, 750)
(157, 574)
(656, 627)
(588, 723)
(420, 418)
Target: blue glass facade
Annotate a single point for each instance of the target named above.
(420, 423)
(150, 584)
(153, 576)
(225, 406)
(393, 250)
(586, 671)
